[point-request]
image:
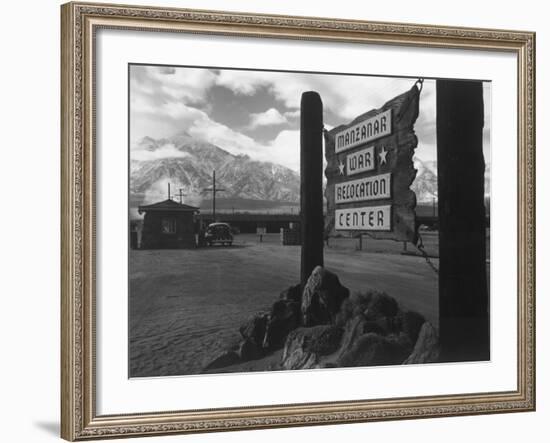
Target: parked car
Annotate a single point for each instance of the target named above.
(218, 233)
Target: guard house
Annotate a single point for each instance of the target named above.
(168, 225)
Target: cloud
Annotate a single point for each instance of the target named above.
(166, 151)
(166, 101)
(168, 70)
(284, 149)
(271, 117)
(345, 96)
(242, 82)
(292, 114)
(163, 84)
(226, 138)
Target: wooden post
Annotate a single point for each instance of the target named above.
(214, 196)
(311, 182)
(463, 291)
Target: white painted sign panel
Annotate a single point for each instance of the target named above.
(360, 161)
(364, 132)
(364, 189)
(368, 218)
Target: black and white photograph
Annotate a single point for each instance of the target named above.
(298, 221)
(301, 220)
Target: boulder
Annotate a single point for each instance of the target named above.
(380, 305)
(249, 350)
(353, 329)
(292, 293)
(410, 322)
(254, 329)
(283, 318)
(322, 297)
(370, 304)
(227, 358)
(426, 349)
(305, 347)
(373, 349)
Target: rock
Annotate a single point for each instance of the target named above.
(426, 349)
(283, 318)
(254, 329)
(380, 305)
(322, 297)
(327, 340)
(371, 304)
(354, 329)
(228, 358)
(325, 365)
(292, 293)
(305, 347)
(296, 358)
(373, 349)
(249, 350)
(410, 323)
(379, 326)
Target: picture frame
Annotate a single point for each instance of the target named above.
(80, 419)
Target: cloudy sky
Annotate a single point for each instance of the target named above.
(257, 113)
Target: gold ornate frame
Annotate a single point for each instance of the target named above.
(79, 420)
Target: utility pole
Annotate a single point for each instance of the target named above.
(213, 190)
(181, 195)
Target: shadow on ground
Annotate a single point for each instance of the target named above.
(49, 427)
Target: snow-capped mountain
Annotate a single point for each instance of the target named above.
(187, 164)
(425, 183)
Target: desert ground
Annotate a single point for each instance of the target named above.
(186, 306)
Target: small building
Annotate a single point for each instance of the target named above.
(168, 225)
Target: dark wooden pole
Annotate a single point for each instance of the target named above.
(311, 185)
(214, 196)
(463, 291)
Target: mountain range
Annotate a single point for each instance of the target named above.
(187, 164)
(425, 183)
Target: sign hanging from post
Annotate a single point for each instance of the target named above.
(370, 170)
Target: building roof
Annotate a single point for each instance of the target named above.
(167, 206)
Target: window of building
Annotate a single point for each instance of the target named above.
(168, 225)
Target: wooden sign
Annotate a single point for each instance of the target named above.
(370, 170)
(377, 126)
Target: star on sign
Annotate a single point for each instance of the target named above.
(382, 154)
(341, 167)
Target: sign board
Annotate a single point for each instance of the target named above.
(363, 189)
(360, 161)
(379, 125)
(370, 170)
(366, 218)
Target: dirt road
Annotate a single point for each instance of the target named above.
(186, 306)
